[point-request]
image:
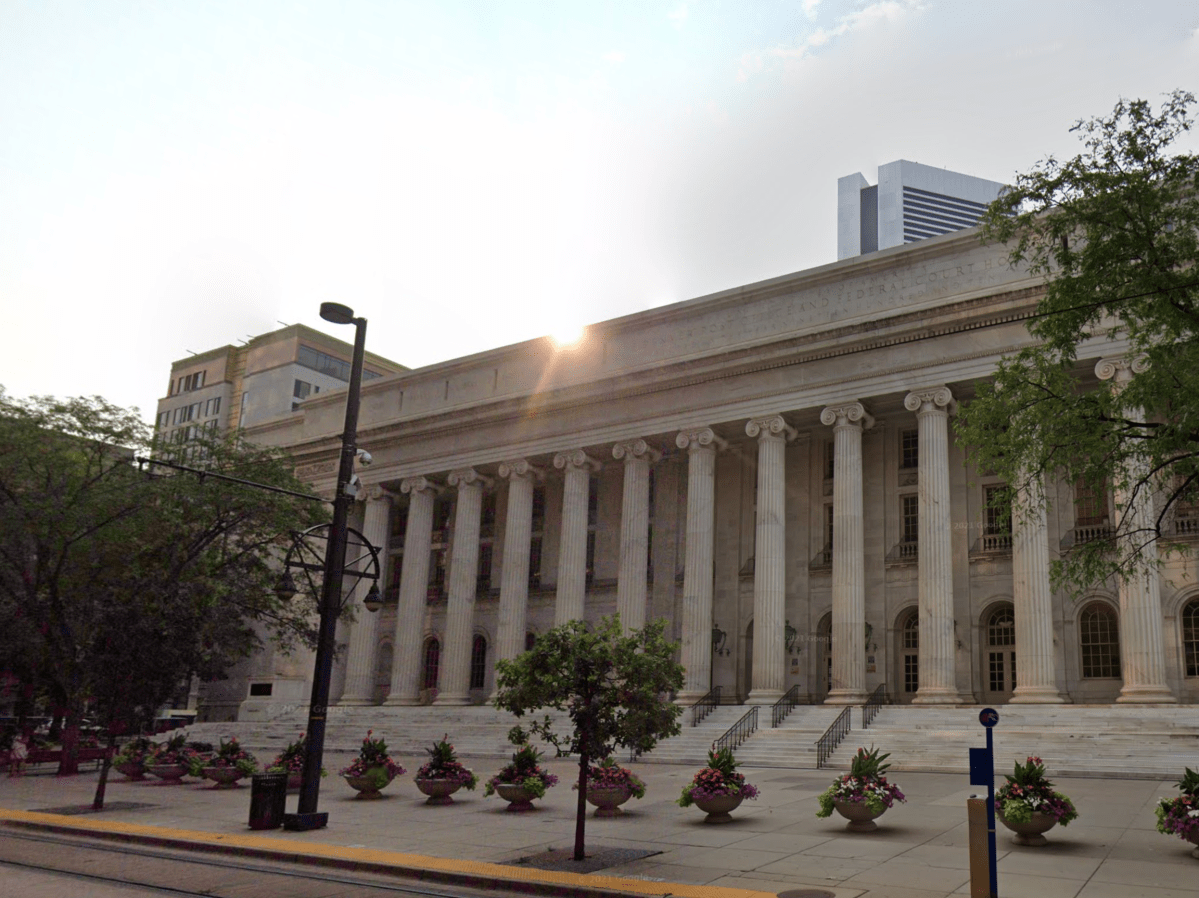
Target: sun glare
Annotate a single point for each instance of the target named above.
(567, 336)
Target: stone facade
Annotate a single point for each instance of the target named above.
(773, 469)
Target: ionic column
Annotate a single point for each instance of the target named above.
(769, 675)
(701, 446)
(1032, 598)
(464, 579)
(1142, 646)
(938, 684)
(414, 590)
(849, 555)
(634, 532)
(518, 538)
(572, 548)
(360, 663)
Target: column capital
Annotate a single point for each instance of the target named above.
(374, 492)
(770, 427)
(635, 449)
(467, 477)
(418, 484)
(851, 413)
(931, 399)
(1120, 368)
(698, 438)
(519, 468)
(575, 458)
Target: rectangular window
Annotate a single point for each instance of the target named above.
(1090, 504)
(828, 527)
(538, 509)
(590, 557)
(997, 510)
(484, 581)
(910, 513)
(261, 689)
(830, 459)
(164, 418)
(909, 448)
(535, 562)
(592, 502)
(301, 389)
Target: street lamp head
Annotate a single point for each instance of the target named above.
(373, 600)
(336, 313)
(285, 589)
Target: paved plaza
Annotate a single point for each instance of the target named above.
(774, 844)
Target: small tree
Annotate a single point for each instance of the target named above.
(613, 687)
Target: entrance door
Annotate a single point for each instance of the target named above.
(908, 674)
(999, 670)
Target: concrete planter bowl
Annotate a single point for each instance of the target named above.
(861, 818)
(439, 791)
(718, 807)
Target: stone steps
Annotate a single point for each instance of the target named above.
(1075, 740)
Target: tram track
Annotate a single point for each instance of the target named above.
(178, 872)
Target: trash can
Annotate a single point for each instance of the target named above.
(268, 797)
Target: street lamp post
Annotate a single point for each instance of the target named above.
(307, 817)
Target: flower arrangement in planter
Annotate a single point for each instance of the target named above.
(131, 760)
(609, 785)
(1028, 805)
(522, 780)
(1180, 816)
(372, 770)
(230, 763)
(717, 789)
(291, 762)
(171, 760)
(862, 794)
(444, 774)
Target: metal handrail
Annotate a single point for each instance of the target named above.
(784, 706)
(877, 699)
(705, 705)
(738, 732)
(832, 737)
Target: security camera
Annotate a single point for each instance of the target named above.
(364, 458)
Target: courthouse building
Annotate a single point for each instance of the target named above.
(773, 470)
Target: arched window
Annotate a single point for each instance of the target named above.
(1099, 639)
(1001, 627)
(478, 663)
(1190, 637)
(530, 640)
(432, 663)
(909, 644)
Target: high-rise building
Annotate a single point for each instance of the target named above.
(232, 387)
(910, 202)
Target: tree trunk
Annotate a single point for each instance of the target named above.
(98, 801)
(581, 813)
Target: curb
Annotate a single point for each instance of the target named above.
(477, 874)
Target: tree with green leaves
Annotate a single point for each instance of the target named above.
(614, 688)
(122, 580)
(1115, 234)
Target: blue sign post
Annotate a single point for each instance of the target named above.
(982, 773)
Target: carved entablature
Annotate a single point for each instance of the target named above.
(699, 438)
(770, 427)
(316, 469)
(931, 400)
(851, 414)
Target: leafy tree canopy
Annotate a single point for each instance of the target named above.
(120, 582)
(1115, 234)
(613, 687)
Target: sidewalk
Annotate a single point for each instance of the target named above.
(775, 844)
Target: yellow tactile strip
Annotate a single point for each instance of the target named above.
(374, 860)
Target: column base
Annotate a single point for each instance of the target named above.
(457, 700)
(1145, 695)
(937, 697)
(689, 698)
(763, 697)
(1037, 695)
(354, 702)
(846, 697)
(397, 701)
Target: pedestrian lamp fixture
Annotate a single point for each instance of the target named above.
(308, 548)
(333, 567)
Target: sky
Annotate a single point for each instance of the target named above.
(178, 176)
